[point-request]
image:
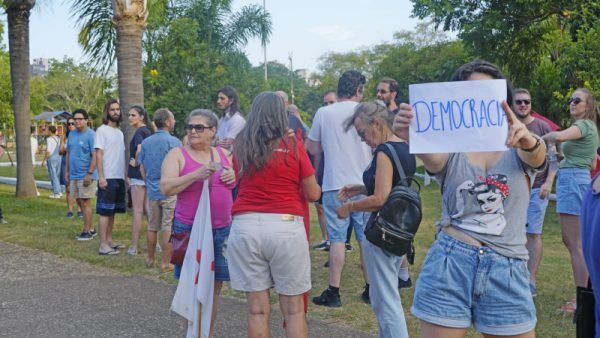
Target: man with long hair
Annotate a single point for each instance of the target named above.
(232, 121)
(110, 155)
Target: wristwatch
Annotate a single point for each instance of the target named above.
(538, 142)
(90, 173)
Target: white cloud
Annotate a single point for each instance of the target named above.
(333, 33)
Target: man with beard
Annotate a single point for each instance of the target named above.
(232, 121)
(110, 156)
(542, 185)
(387, 91)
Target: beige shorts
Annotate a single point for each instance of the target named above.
(268, 250)
(79, 191)
(160, 214)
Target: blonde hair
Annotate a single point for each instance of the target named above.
(592, 111)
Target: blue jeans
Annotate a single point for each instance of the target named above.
(383, 268)
(54, 172)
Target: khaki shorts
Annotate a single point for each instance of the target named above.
(79, 191)
(160, 214)
(268, 250)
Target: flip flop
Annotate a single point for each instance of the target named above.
(109, 253)
(570, 307)
(117, 246)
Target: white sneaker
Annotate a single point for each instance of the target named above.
(158, 248)
(132, 251)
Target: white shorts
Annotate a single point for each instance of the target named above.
(268, 250)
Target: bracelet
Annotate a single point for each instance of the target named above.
(537, 144)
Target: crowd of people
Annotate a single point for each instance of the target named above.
(264, 167)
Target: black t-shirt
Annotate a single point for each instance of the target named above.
(140, 134)
(407, 161)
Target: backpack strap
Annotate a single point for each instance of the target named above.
(397, 162)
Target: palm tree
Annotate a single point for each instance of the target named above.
(18, 12)
(115, 28)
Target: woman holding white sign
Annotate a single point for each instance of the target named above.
(578, 143)
(475, 273)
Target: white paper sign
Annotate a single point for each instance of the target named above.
(462, 116)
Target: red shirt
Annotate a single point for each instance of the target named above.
(276, 188)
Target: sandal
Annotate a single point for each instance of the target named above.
(112, 252)
(117, 246)
(570, 307)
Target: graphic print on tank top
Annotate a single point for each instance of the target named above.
(480, 204)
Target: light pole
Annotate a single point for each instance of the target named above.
(290, 55)
(265, 44)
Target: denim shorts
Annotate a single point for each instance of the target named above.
(571, 186)
(536, 211)
(219, 238)
(338, 228)
(461, 284)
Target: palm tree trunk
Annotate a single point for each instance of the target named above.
(18, 45)
(129, 69)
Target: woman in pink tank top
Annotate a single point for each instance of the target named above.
(185, 170)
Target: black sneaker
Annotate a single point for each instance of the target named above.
(365, 296)
(328, 298)
(404, 284)
(326, 265)
(323, 246)
(84, 236)
(93, 233)
(349, 247)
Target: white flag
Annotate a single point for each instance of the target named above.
(197, 279)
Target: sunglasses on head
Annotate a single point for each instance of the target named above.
(199, 128)
(520, 102)
(575, 100)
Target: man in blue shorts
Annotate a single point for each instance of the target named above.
(346, 157)
(542, 186)
(110, 149)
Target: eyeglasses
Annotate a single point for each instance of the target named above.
(575, 100)
(199, 128)
(71, 123)
(525, 102)
(327, 103)
(361, 133)
(382, 91)
(78, 118)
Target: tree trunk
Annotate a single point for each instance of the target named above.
(18, 45)
(129, 69)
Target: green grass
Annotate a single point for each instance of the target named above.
(40, 223)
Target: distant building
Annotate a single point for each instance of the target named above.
(40, 67)
(309, 77)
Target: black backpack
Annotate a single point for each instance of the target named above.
(394, 226)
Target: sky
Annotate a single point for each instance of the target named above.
(307, 29)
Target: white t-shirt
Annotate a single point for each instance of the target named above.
(345, 155)
(110, 140)
(230, 126)
(52, 144)
(34, 147)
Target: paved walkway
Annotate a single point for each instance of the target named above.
(44, 295)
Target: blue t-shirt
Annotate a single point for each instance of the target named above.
(590, 237)
(153, 152)
(81, 149)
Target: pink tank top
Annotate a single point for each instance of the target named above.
(221, 199)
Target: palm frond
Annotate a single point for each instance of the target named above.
(251, 21)
(97, 35)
